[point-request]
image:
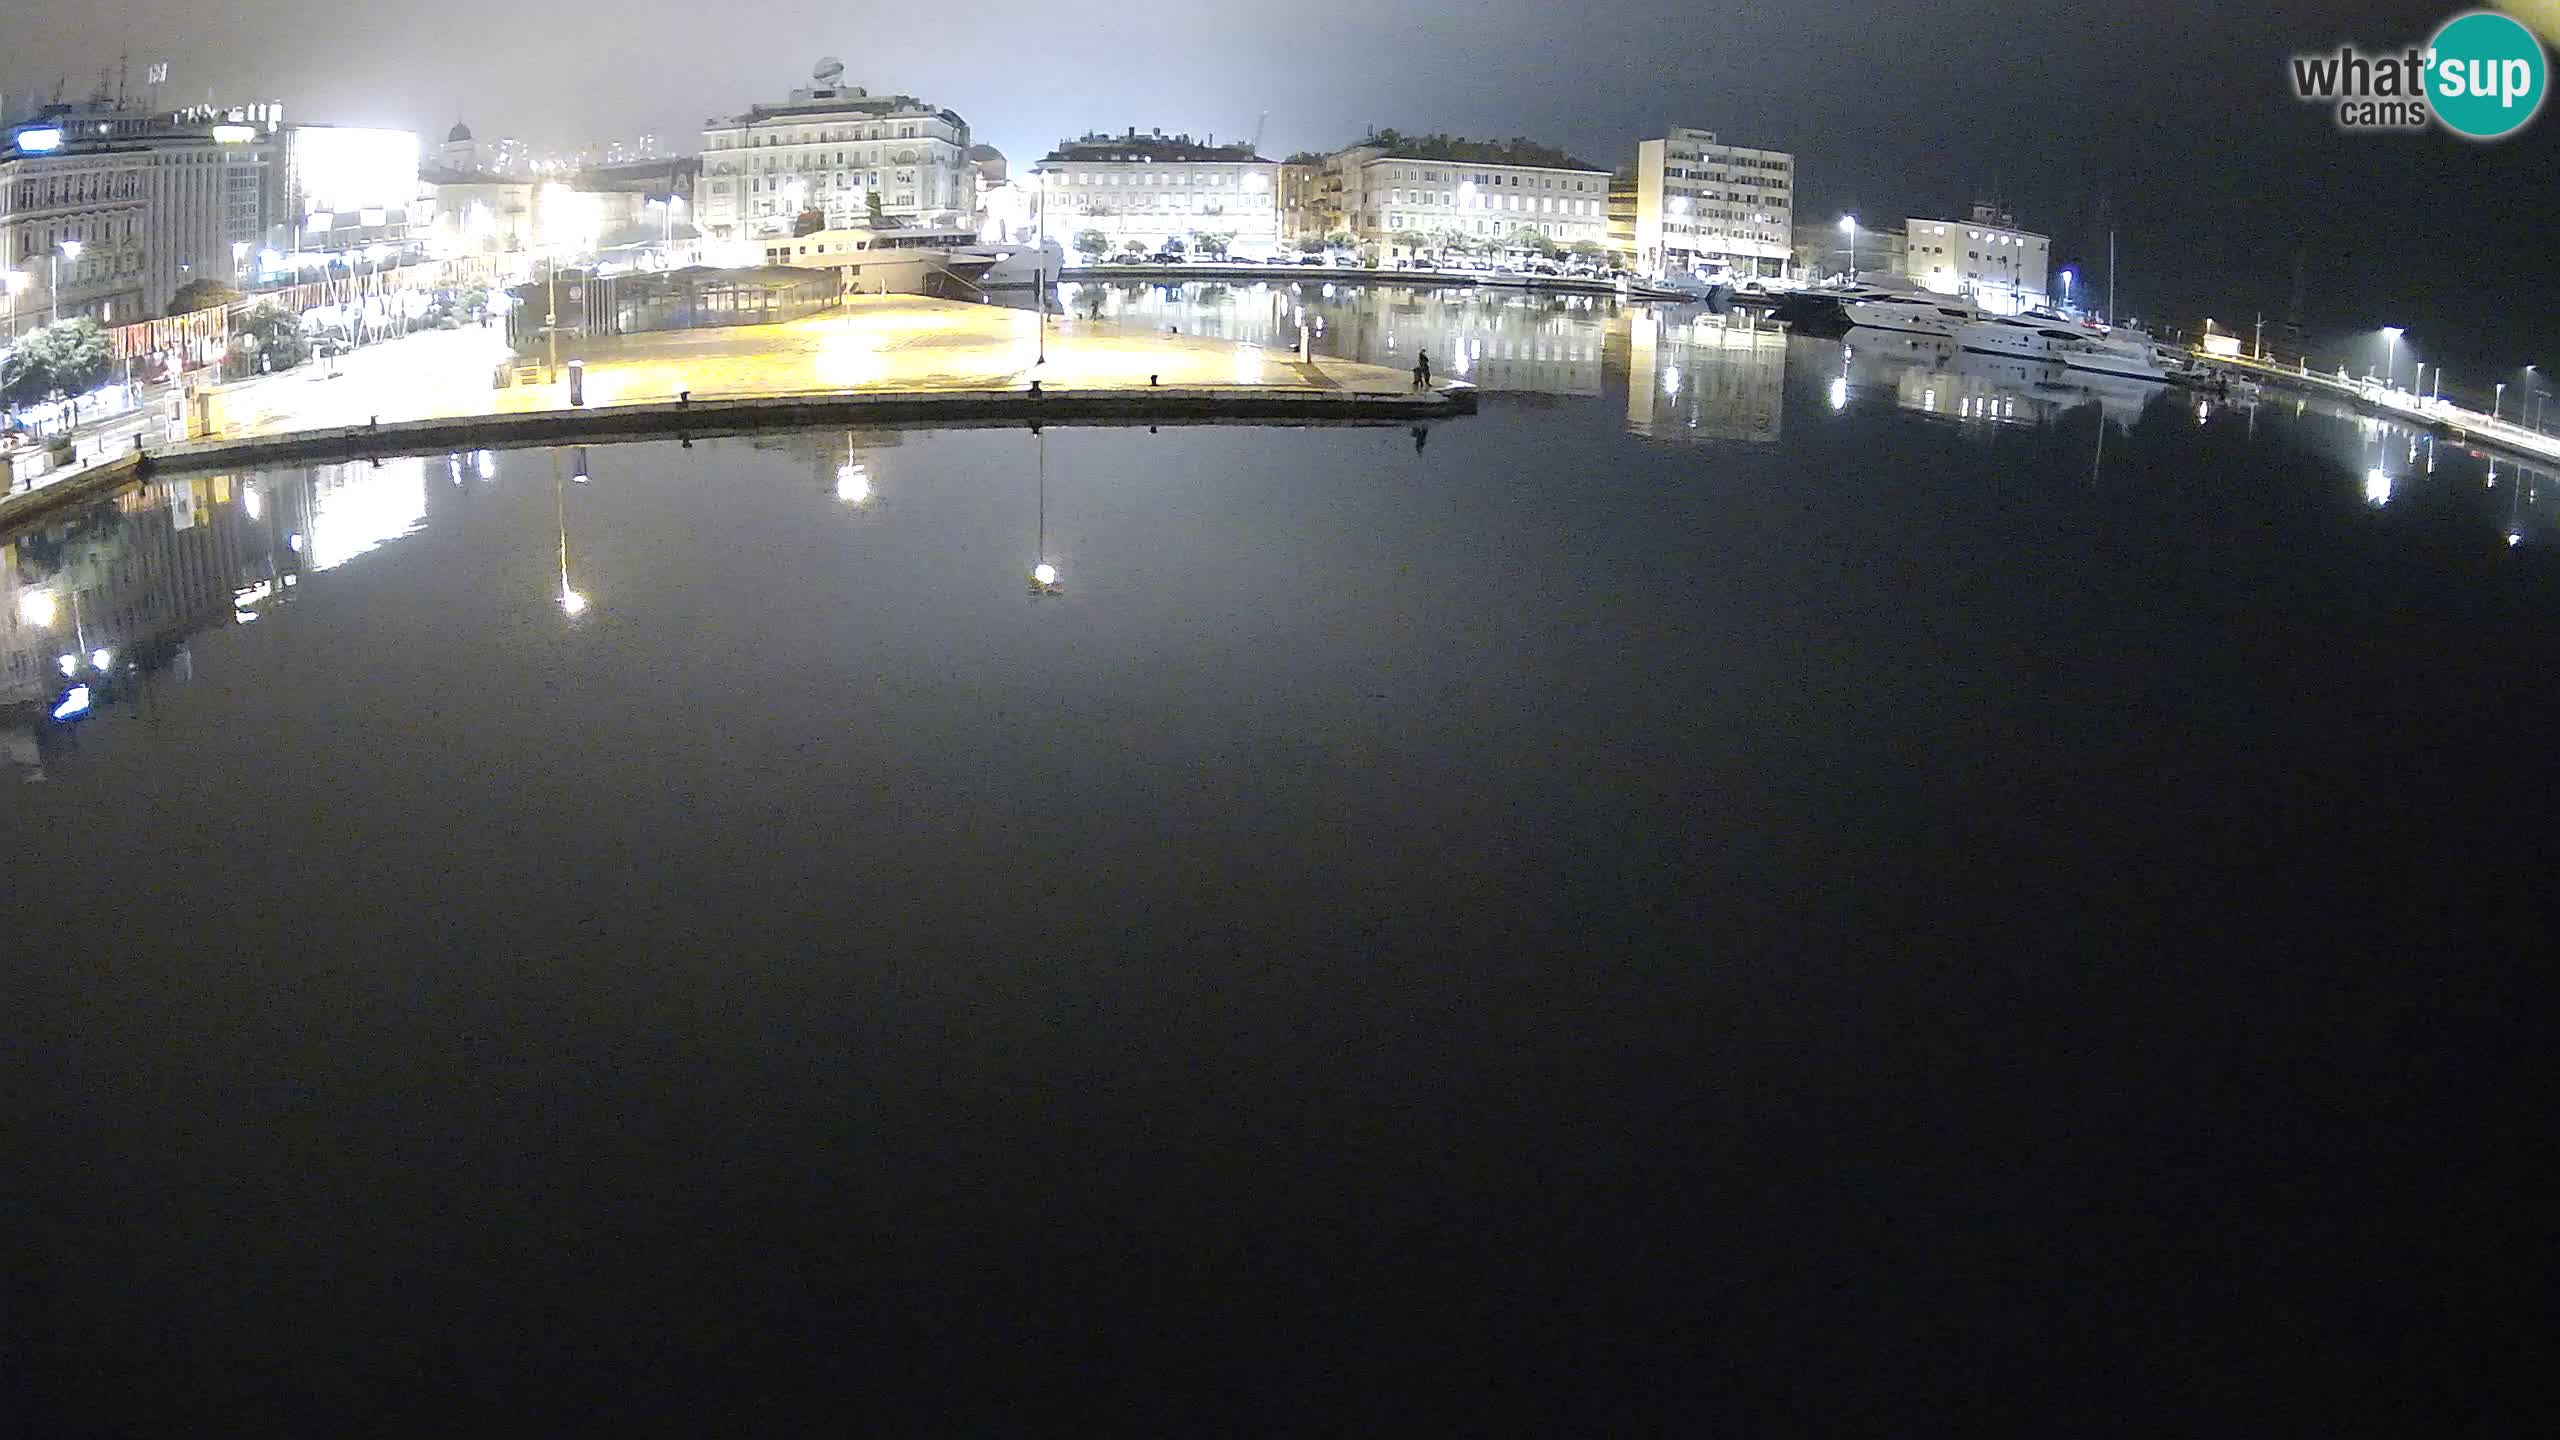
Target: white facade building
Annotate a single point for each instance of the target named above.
(1987, 257)
(834, 148)
(1154, 188)
(1390, 191)
(1703, 203)
(72, 209)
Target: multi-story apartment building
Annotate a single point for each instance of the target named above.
(1307, 211)
(1441, 189)
(1701, 203)
(1987, 257)
(835, 149)
(1156, 187)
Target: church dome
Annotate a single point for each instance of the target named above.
(458, 134)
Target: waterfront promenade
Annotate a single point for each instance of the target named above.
(2456, 422)
(887, 359)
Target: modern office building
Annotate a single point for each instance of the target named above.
(1154, 188)
(839, 150)
(1705, 204)
(1987, 257)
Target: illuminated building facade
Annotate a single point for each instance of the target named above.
(834, 148)
(73, 207)
(345, 188)
(1156, 188)
(1987, 257)
(1388, 191)
(1704, 204)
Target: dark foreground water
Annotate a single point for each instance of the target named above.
(1786, 897)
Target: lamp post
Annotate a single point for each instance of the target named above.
(2497, 399)
(2390, 354)
(1849, 223)
(15, 282)
(53, 279)
(1040, 272)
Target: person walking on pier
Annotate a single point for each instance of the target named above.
(1422, 371)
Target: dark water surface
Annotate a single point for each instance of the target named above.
(1827, 885)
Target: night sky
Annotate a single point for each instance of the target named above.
(2182, 130)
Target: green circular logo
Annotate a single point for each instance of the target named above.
(2485, 75)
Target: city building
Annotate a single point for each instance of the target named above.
(838, 150)
(1307, 194)
(475, 213)
(343, 189)
(212, 177)
(1704, 204)
(1987, 257)
(1153, 188)
(1622, 217)
(1409, 195)
(74, 212)
(1822, 248)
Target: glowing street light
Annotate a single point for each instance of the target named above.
(37, 608)
(2067, 278)
(2391, 354)
(1849, 223)
(68, 249)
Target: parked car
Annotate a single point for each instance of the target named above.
(1314, 260)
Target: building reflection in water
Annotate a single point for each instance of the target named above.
(104, 600)
(1694, 375)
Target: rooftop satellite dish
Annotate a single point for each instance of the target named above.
(829, 73)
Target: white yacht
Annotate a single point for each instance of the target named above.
(2129, 353)
(2029, 336)
(1914, 314)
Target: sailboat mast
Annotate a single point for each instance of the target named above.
(2111, 278)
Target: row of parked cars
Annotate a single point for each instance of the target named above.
(1176, 257)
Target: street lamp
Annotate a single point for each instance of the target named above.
(53, 284)
(2067, 278)
(15, 282)
(1849, 223)
(2496, 400)
(2390, 354)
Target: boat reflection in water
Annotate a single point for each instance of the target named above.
(1937, 377)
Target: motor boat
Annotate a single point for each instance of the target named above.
(1013, 266)
(1712, 290)
(2126, 352)
(2023, 337)
(1891, 305)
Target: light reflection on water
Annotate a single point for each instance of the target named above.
(130, 579)
(1685, 374)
